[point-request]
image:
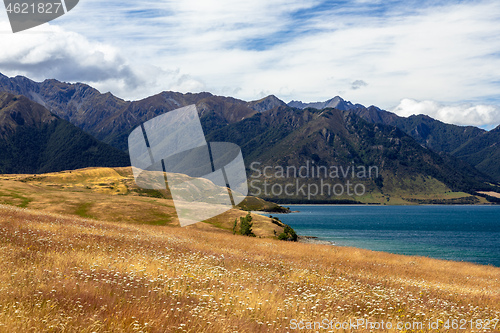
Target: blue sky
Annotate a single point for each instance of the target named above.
(440, 58)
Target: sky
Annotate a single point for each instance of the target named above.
(440, 58)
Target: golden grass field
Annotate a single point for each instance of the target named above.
(110, 194)
(65, 273)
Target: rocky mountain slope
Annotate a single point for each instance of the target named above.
(32, 140)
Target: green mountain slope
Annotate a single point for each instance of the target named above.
(291, 138)
(483, 152)
(468, 143)
(432, 133)
(32, 140)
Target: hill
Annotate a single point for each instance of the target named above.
(65, 273)
(287, 138)
(432, 133)
(111, 194)
(110, 119)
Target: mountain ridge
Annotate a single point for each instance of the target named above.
(108, 117)
(336, 102)
(288, 137)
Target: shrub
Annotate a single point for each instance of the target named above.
(288, 234)
(234, 226)
(246, 225)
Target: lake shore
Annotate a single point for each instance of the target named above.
(313, 240)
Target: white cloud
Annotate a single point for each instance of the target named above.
(68, 56)
(463, 114)
(51, 51)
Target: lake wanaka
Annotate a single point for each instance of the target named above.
(461, 233)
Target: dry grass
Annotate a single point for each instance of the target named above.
(491, 194)
(69, 274)
(109, 194)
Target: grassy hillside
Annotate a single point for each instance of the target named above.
(111, 194)
(69, 274)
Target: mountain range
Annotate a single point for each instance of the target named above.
(471, 144)
(417, 154)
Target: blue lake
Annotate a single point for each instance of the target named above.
(461, 233)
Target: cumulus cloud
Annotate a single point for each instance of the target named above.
(53, 52)
(463, 114)
(448, 52)
(65, 55)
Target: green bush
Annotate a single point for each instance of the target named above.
(288, 234)
(246, 225)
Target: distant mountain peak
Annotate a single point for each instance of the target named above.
(336, 102)
(266, 103)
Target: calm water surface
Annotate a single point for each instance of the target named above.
(462, 233)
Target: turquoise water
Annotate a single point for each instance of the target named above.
(462, 233)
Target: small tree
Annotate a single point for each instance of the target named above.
(291, 232)
(246, 225)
